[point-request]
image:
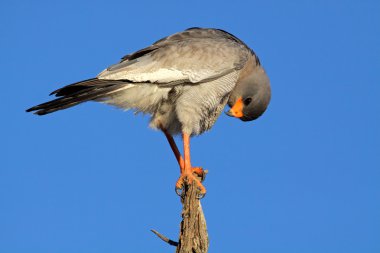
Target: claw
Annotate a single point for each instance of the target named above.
(179, 191)
(201, 189)
(179, 186)
(201, 195)
(189, 178)
(200, 172)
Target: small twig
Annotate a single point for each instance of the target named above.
(165, 239)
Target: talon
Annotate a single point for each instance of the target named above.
(179, 186)
(188, 179)
(200, 173)
(201, 195)
(179, 191)
(201, 189)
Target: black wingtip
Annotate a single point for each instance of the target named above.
(40, 113)
(31, 109)
(77, 93)
(35, 111)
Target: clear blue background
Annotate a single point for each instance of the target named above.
(303, 178)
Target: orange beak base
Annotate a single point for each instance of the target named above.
(237, 109)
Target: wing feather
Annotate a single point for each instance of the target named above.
(193, 56)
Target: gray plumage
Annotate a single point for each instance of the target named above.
(184, 81)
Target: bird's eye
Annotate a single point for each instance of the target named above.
(247, 101)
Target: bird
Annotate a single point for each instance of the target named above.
(183, 81)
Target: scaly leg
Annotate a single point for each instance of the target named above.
(197, 170)
(174, 147)
(187, 172)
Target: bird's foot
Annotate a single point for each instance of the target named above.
(188, 178)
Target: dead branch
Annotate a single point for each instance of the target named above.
(164, 238)
(193, 236)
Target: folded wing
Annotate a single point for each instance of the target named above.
(192, 56)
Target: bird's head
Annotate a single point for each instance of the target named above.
(251, 96)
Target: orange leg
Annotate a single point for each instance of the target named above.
(197, 170)
(176, 152)
(187, 172)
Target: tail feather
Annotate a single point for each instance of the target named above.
(77, 93)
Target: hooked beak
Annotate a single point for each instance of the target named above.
(237, 109)
(229, 113)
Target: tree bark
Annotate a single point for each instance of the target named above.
(193, 237)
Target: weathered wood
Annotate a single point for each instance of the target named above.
(164, 238)
(193, 237)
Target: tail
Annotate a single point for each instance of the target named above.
(76, 93)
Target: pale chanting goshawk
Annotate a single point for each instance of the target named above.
(183, 81)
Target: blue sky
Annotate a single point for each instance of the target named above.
(302, 178)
